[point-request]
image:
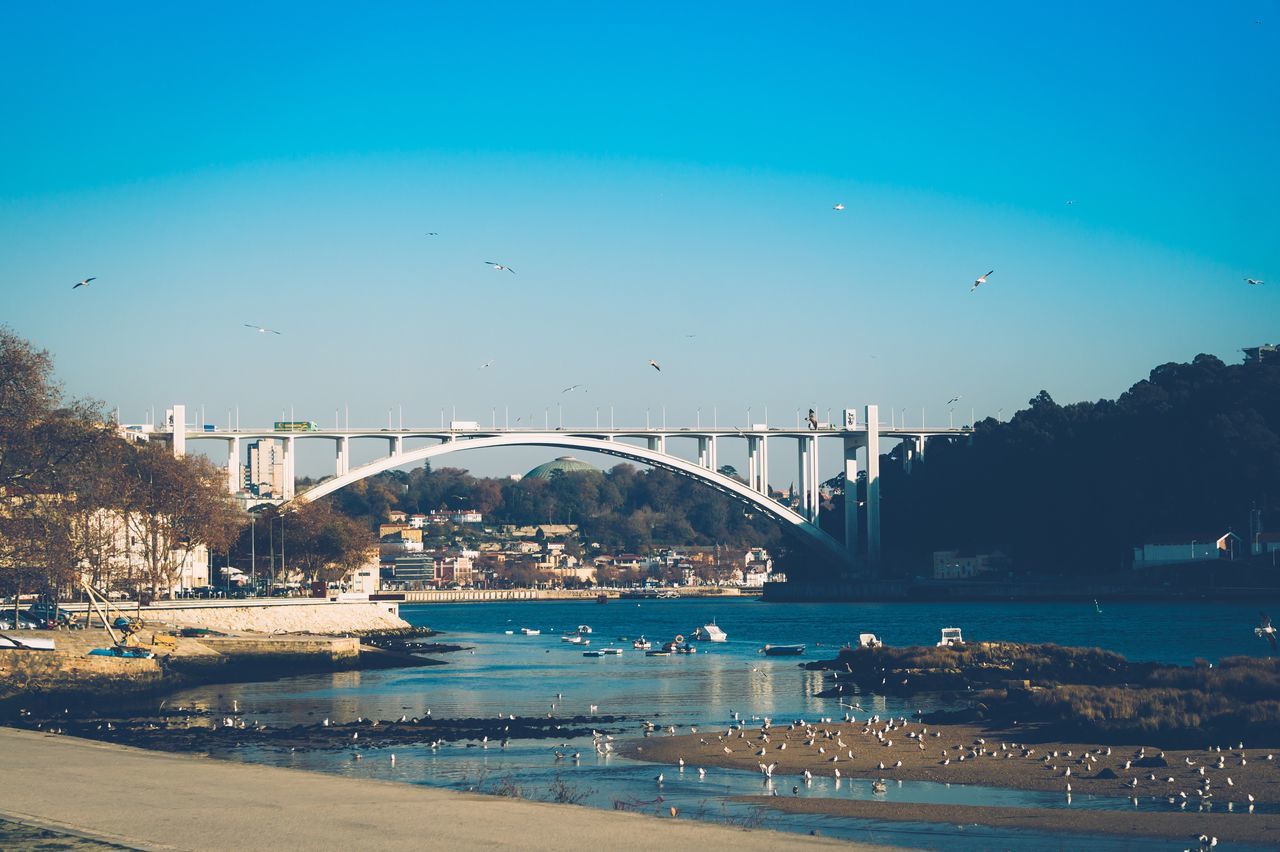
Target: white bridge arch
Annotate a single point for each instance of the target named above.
(809, 532)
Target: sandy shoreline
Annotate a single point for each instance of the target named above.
(153, 800)
(998, 759)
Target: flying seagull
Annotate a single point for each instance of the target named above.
(498, 267)
(260, 329)
(85, 283)
(486, 364)
(433, 233)
(570, 388)
(1252, 282)
(654, 365)
(980, 281)
(839, 206)
(1266, 630)
(954, 399)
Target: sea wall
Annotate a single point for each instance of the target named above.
(25, 672)
(292, 616)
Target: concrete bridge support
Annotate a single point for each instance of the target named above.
(234, 479)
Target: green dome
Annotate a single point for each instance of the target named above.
(564, 464)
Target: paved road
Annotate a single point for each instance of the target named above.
(154, 800)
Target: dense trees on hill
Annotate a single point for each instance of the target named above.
(1190, 450)
(623, 509)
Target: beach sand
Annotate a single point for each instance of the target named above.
(153, 800)
(999, 762)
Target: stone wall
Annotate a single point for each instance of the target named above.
(305, 616)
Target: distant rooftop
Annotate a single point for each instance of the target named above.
(1256, 354)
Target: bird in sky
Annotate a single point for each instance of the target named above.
(1252, 282)
(85, 283)
(980, 281)
(1069, 203)
(486, 364)
(260, 329)
(433, 233)
(839, 206)
(654, 365)
(954, 399)
(498, 267)
(570, 388)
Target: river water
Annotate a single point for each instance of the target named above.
(509, 673)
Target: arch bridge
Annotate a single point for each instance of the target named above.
(855, 435)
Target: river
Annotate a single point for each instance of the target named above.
(509, 673)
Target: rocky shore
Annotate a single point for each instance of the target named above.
(1191, 784)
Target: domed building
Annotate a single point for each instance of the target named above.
(564, 464)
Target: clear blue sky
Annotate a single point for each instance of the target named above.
(651, 171)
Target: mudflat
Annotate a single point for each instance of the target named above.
(152, 800)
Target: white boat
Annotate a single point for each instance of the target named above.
(613, 652)
(593, 653)
(26, 642)
(709, 633)
(584, 628)
(869, 640)
(951, 638)
(642, 644)
(530, 631)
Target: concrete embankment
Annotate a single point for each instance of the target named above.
(149, 800)
(289, 615)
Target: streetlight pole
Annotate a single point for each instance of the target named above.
(253, 553)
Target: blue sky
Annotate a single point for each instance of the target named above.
(651, 171)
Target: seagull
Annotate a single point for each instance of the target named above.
(839, 206)
(258, 328)
(432, 234)
(85, 283)
(654, 365)
(486, 364)
(1252, 282)
(980, 281)
(1266, 630)
(498, 267)
(954, 400)
(570, 388)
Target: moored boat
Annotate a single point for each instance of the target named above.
(642, 644)
(596, 653)
(584, 628)
(783, 650)
(530, 631)
(951, 638)
(612, 652)
(657, 652)
(709, 633)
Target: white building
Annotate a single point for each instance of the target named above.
(1174, 550)
(264, 474)
(122, 561)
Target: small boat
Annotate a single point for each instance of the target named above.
(686, 648)
(951, 638)
(709, 633)
(26, 643)
(530, 631)
(869, 640)
(593, 653)
(509, 632)
(642, 644)
(602, 598)
(657, 653)
(122, 652)
(612, 652)
(782, 650)
(584, 628)
(574, 639)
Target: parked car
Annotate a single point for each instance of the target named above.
(50, 615)
(25, 622)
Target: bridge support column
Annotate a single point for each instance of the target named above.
(704, 459)
(235, 481)
(873, 488)
(764, 465)
(712, 461)
(815, 486)
(851, 496)
(753, 464)
(179, 431)
(287, 464)
(397, 445)
(803, 447)
(340, 460)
